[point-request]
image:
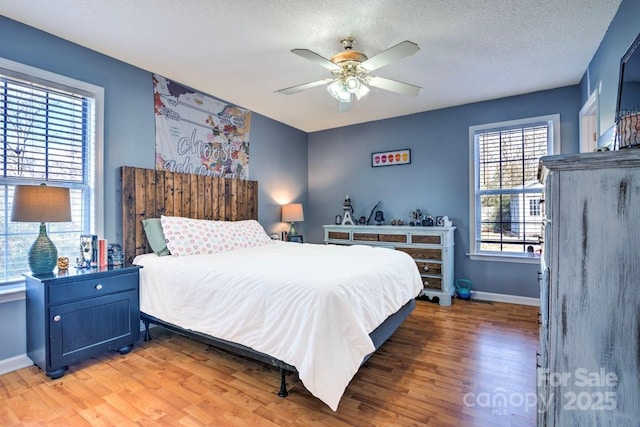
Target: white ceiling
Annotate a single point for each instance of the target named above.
(239, 50)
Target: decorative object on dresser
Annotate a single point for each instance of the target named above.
(347, 211)
(292, 213)
(75, 315)
(88, 251)
(589, 358)
(371, 213)
(428, 221)
(41, 203)
(296, 239)
(63, 263)
(431, 247)
(115, 255)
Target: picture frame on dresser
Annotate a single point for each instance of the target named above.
(295, 239)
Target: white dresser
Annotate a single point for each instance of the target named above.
(430, 247)
(589, 361)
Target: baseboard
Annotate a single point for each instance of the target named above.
(14, 363)
(512, 299)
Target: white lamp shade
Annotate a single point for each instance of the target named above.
(41, 203)
(292, 212)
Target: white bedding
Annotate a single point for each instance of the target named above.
(311, 306)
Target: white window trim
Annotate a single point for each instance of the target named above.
(552, 120)
(98, 155)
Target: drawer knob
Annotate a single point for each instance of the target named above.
(56, 318)
(426, 268)
(98, 286)
(426, 283)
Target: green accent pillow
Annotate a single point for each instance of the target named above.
(155, 236)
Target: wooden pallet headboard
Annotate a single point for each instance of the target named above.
(149, 193)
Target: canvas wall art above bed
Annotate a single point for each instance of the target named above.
(320, 310)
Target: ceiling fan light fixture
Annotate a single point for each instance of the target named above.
(350, 72)
(339, 92)
(362, 91)
(352, 84)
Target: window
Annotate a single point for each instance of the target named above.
(48, 133)
(534, 206)
(506, 220)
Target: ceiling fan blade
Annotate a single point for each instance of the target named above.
(318, 59)
(303, 86)
(343, 107)
(394, 86)
(401, 50)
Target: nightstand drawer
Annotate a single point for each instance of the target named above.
(91, 287)
(429, 267)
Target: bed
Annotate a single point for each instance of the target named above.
(345, 304)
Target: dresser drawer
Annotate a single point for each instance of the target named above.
(339, 235)
(366, 237)
(432, 282)
(397, 238)
(91, 287)
(429, 240)
(429, 267)
(421, 253)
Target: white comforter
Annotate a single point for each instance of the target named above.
(311, 306)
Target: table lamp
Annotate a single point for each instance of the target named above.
(292, 213)
(41, 203)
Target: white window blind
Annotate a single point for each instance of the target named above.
(46, 135)
(506, 207)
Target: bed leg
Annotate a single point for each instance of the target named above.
(283, 384)
(147, 334)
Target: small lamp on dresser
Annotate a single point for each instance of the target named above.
(292, 213)
(41, 203)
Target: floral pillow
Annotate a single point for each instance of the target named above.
(187, 236)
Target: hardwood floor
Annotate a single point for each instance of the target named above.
(445, 366)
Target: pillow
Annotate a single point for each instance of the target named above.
(187, 236)
(155, 236)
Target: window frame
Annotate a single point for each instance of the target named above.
(95, 154)
(553, 147)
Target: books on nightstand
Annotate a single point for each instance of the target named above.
(102, 253)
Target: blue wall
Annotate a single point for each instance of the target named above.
(604, 70)
(437, 180)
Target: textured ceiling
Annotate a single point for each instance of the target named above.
(239, 51)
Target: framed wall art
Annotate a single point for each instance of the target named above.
(391, 158)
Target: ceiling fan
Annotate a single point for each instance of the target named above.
(350, 70)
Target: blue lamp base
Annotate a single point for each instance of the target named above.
(43, 254)
(292, 230)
